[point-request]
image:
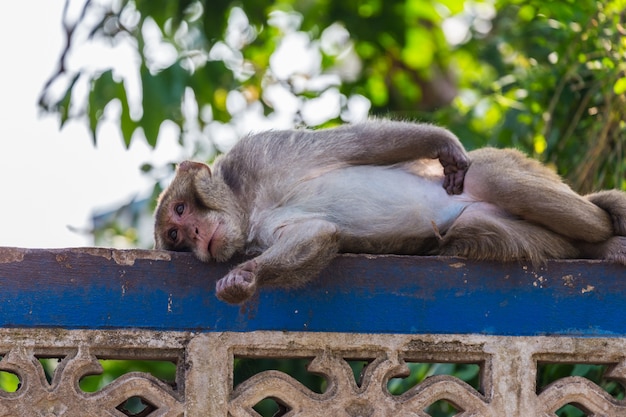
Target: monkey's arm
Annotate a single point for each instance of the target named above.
(385, 142)
(300, 153)
(301, 250)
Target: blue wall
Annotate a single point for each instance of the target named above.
(391, 294)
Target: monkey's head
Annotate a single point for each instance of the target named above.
(198, 213)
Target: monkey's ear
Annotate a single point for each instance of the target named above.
(192, 167)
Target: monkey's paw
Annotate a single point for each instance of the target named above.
(454, 168)
(236, 287)
(615, 250)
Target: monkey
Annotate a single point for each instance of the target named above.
(291, 200)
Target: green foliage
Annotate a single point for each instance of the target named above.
(556, 67)
(547, 77)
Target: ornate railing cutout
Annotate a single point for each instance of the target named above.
(48, 390)
(357, 395)
(590, 397)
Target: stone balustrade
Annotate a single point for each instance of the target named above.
(64, 313)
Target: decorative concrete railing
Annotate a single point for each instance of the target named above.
(82, 307)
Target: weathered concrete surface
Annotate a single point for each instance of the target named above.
(82, 305)
(204, 385)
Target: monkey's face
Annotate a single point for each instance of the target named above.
(196, 214)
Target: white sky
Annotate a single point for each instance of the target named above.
(50, 180)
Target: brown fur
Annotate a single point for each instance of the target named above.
(296, 198)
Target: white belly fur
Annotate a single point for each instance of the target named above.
(366, 201)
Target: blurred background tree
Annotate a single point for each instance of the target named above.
(548, 77)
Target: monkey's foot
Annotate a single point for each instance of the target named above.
(619, 224)
(614, 250)
(236, 287)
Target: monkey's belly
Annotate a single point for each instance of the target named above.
(381, 209)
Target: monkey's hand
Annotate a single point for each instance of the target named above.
(238, 285)
(455, 165)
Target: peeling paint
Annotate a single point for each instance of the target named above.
(587, 289)
(128, 257)
(11, 255)
(101, 252)
(62, 260)
(568, 280)
(457, 265)
(124, 258)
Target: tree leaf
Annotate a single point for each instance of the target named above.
(620, 86)
(104, 89)
(162, 98)
(127, 124)
(101, 93)
(63, 105)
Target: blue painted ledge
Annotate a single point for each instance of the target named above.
(104, 289)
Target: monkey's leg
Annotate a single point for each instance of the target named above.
(299, 252)
(523, 187)
(485, 232)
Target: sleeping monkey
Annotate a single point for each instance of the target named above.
(294, 199)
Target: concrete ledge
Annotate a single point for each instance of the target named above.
(91, 288)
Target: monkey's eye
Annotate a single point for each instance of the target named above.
(179, 208)
(173, 235)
